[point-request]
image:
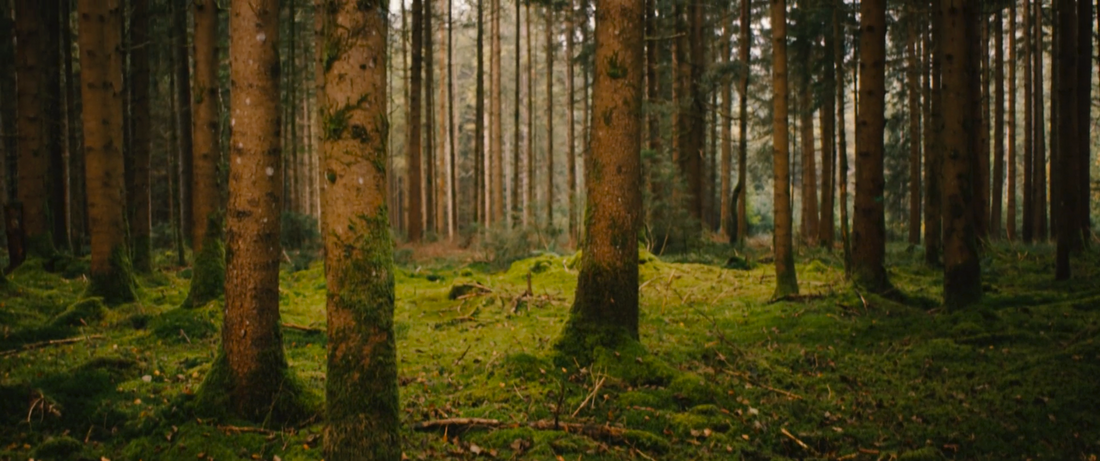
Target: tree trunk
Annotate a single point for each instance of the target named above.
(570, 148)
(138, 194)
(183, 78)
(1084, 119)
(362, 359)
(825, 226)
(869, 223)
(995, 215)
(55, 104)
(982, 191)
(605, 310)
(842, 134)
(7, 111)
(549, 118)
(962, 272)
(529, 210)
(293, 165)
(31, 136)
(744, 54)
(101, 80)
(517, 205)
(1010, 205)
(692, 110)
(912, 76)
(785, 277)
(809, 164)
(452, 193)
(725, 223)
(496, 114)
(1028, 225)
(1038, 158)
(1069, 232)
(430, 113)
(441, 147)
(933, 153)
(251, 341)
(415, 219)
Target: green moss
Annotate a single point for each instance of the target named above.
(692, 389)
(143, 254)
(290, 403)
(83, 312)
(115, 286)
(208, 282)
(186, 325)
(923, 454)
(58, 448)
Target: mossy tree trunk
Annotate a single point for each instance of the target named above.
(869, 221)
(138, 194)
(786, 280)
(1069, 232)
(251, 339)
(361, 405)
(962, 272)
(208, 279)
(605, 309)
(32, 181)
(101, 79)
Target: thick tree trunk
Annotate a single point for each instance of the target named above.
(32, 181)
(549, 118)
(183, 78)
(785, 276)
(1010, 204)
(1069, 232)
(251, 340)
(912, 76)
(995, 215)
(745, 47)
(361, 405)
(138, 194)
(415, 219)
(101, 80)
(869, 223)
(962, 272)
(605, 310)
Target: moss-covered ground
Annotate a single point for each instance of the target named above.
(722, 372)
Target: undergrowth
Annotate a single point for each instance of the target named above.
(721, 371)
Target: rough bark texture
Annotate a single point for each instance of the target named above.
(605, 310)
(724, 218)
(825, 226)
(570, 124)
(1068, 230)
(138, 194)
(251, 340)
(1084, 119)
(186, 145)
(1038, 155)
(869, 222)
(744, 48)
(415, 219)
(962, 272)
(55, 135)
(809, 163)
(912, 77)
(1028, 221)
(998, 182)
(361, 406)
(208, 279)
(786, 281)
(1010, 204)
(549, 118)
(101, 79)
(496, 114)
(30, 127)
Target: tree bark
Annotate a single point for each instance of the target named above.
(744, 54)
(186, 146)
(869, 224)
(785, 276)
(605, 310)
(517, 205)
(32, 181)
(724, 119)
(1028, 224)
(570, 123)
(496, 136)
(430, 113)
(1038, 158)
(138, 192)
(934, 157)
(55, 110)
(415, 219)
(101, 80)
(361, 404)
(825, 226)
(549, 117)
(912, 76)
(529, 210)
(983, 160)
(962, 272)
(1010, 204)
(995, 214)
(809, 164)
(1069, 232)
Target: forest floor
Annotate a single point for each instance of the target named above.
(722, 371)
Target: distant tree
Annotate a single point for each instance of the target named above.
(1010, 205)
(496, 115)
(138, 192)
(786, 280)
(413, 136)
(744, 46)
(32, 182)
(183, 128)
(605, 309)
(869, 222)
(996, 196)
(826, 227)
(912, 80)
(361, 406)
(549, 15)
(933, 152)
(101, 80)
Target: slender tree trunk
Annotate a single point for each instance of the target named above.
(362, 359)
(101, 80)
(1010, 205)
(517, 205)
(529, 210)
(33, 161)
(398, 213)
(1084, 120)
(479, 130)
(982, 192)
(1028, 225)
(934, 152)
(7, 113)
(55, 103)
(452, 194)
(912, 76)
(842, 134)
(869, 224)
(692, 110)
(825, 226)
(1068, 228)
(725, 223)
(605, 310)
(496, 114)
(570, 141)
(294, 200)
(441, 147)
(1055, 113)
(809, 164)
(962, 272)
(549, 117)
(995, 215)
(77, 205)
(415, 219)
(1038, 166)
(430, 113)
(138, 195)
(183, 78)
(744, 55)
(786, 278)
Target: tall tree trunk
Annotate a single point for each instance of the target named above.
(570, 134)
(441, 147)
(183, 78)
(362, 359)
(996, 195)
(692, 110)
(962, 272)
(479, 123)
(744, 55)
(1028, 225)
(1010, 205)
(934, 152)
(809, 165)
(912, 76)
(429, 119)
(251, 341)
(1084, 118)
(605, 310)
(786, 280)
(138, 194)
(101, 80)
(517, 204)
(529, 210)
(725, 223)
(294, 199)
(54, 112)
(1038, 158)
(496, 114)
(71, 143)
(31, 136)
(982, 191)
(1069, 232)
(869, 223)
(452, 194)
(825, 226)
(7, 114)
(842, 135)
(415, 219)
(549, 117)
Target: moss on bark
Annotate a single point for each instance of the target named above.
(143, 257)
(115, 285)
(208, 279)
(290, 403)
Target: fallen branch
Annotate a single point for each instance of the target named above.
(800, 443)
(586, 399)
(294, 326)
(590, 430)
(52, 342)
